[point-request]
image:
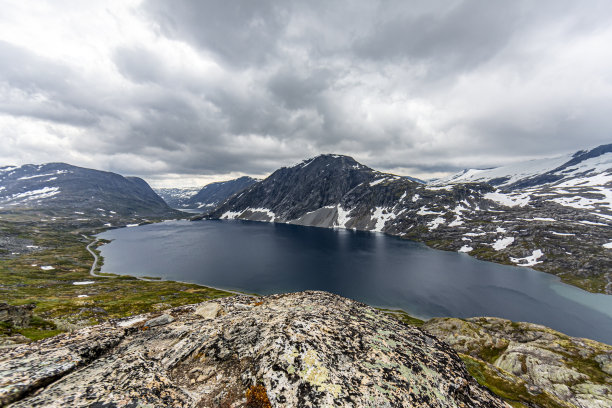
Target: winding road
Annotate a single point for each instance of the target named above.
(93, 273)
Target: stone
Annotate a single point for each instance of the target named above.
(18, 316)
(208, 310)
(159, 321)
(308, 349)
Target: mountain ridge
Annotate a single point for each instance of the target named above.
(62, 187)
(561, 227)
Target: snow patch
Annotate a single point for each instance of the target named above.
(502, 243)
(343, 216)
(529, 260)
(466, 248)
(41, 193)
(608, 245)
(268, 212)
(231, 215)
(376, 182)
(83, 283)
(382, 215)
(561, 234)
(47, 268)
(435, 223)
(425, 211)
(509, 200)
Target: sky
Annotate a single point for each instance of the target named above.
(183, 93)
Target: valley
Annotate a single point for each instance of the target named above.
(554, 217)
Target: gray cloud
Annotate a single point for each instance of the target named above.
(218, 87)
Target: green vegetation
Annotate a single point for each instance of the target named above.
(403, 316)
(60, 304)
(512, 389)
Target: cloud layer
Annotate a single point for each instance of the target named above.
(189, 90)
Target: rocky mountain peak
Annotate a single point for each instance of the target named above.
(308, 349)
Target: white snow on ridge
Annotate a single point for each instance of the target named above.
(529, 260)
(509, 200)
(608, 245)
(376, 182)
(502, 243)
(513, 172)
(597, 164)
(44, 192)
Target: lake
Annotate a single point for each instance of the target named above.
(373, 268)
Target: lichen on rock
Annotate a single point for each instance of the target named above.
(308, 349)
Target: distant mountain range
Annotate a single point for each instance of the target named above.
(177, 197)
(207, 197)
(64, 188)
(554, 215)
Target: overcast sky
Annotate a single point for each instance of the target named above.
(185, 92)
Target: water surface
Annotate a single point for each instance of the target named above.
(370, 267)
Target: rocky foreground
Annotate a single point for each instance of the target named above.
(308, 349)
(530, 363)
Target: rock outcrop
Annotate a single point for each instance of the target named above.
(538, 363)
(308, 349)
(18, 316)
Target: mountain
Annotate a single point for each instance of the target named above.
(62, 187)
(308, 349)
(584, 168)
(561, 226)
(177, 197)
(214, 194)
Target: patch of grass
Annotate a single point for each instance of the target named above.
(62, 247)
(403, 316)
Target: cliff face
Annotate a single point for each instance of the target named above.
(309, 349)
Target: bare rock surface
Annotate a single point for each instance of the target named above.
(307, 349)
(565, 371)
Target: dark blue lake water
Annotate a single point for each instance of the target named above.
(370, 267)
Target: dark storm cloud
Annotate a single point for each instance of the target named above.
(452, 40)
(240, 32)
(430, 86)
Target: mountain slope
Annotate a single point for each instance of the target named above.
(518, 227)
(177, 197)
(65, 188)
(214, 194)
(581, 168)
